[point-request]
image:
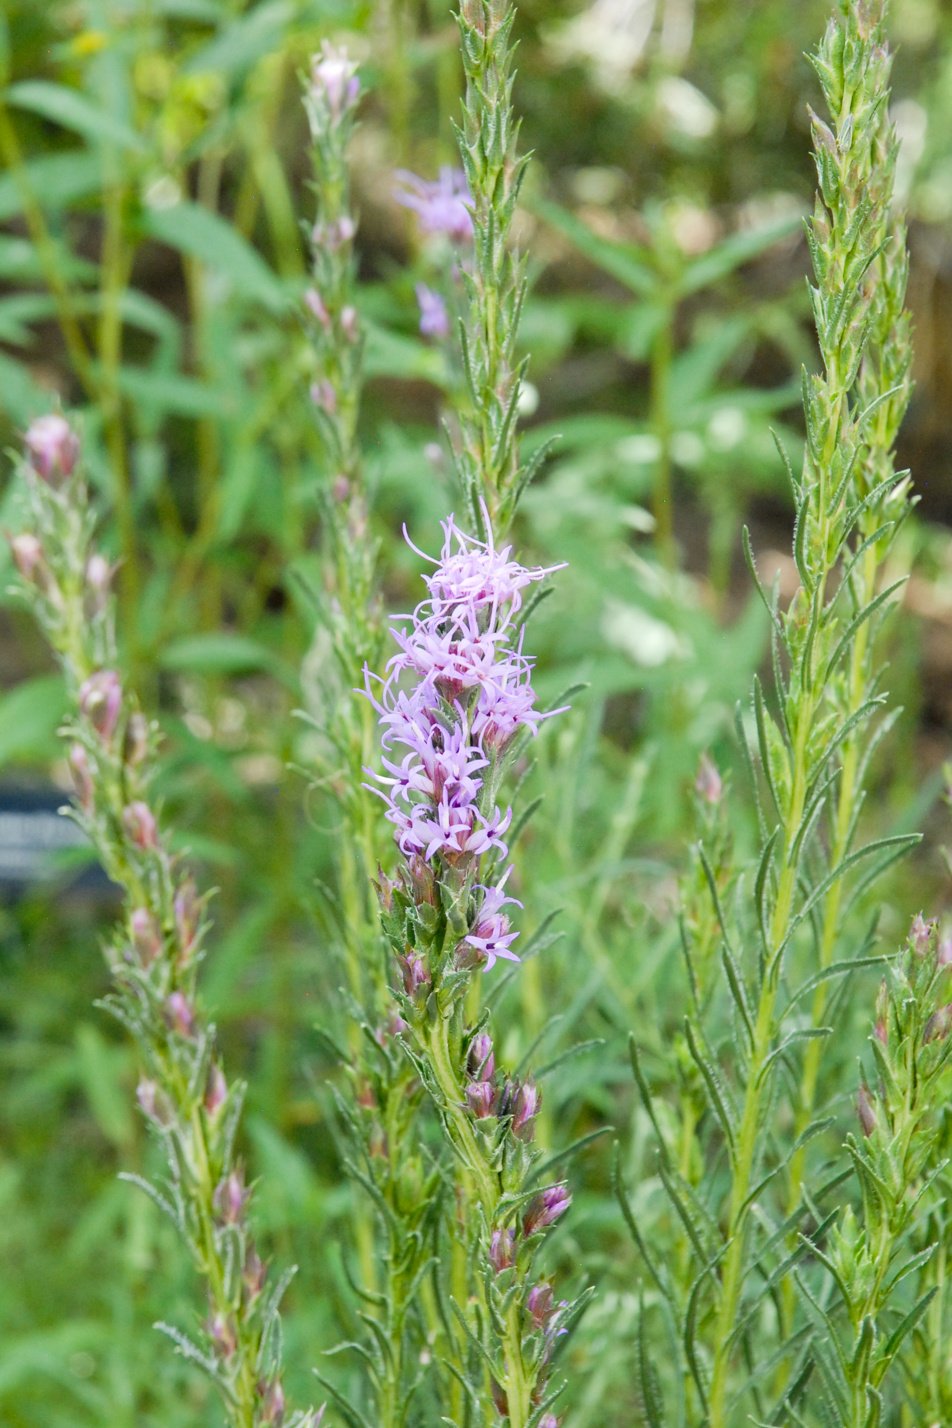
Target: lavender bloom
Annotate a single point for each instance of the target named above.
(452, 699)
(434, 319)
(441, 205)
(53, 447)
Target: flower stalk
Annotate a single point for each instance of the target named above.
(191, 1108)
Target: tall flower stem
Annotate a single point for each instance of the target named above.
(183, 1092)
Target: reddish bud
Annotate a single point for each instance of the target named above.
(540, 1304)
(78, 761)
(231, 1196)
(865, 1111)
(221, 1331)
(145, 935)
(187, 911)
(481, 1062)
(29, 558)
(481, 1097)
(139, 822)
(415, 975)
(939, 1024)
(180, 1013)
(100, 701)
(502, 1250)
(272, 1404)
(526, 1105)
(253, 1275)
(216, 1090)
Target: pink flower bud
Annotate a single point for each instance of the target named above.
(943, 954)
(324, 396)
(920, 935)
(481, 1097)
(221, 1331)
(100, 701)
(502, 1250)
(939, 1024)
(139, 822)
(78, 761)
(272, 1404)
(315, 305)
(216, 1090)
(230, 1198)
(540, 1304)
(708, 784)
(98, 583)
(187, 911)
(153, 1102)
(29, 558)
(146, 935)
(180, 1013)
(865, 1111)
(416, 978)
(253, 1275)
(546, 1208)
(349, 324)
(135, 740)
(52, 447)
(528, 1099)
(481, 1061)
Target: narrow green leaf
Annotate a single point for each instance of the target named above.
(198, 232)
(71, 109)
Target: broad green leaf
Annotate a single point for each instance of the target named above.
(172, 392)
(627, 262)
(55, 181)
(393, 354)
(29, 717)
(222, 653)
(202, 234)
(73, 111)
(734, 252)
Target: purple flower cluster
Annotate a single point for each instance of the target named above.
(453, 698)
(441, 205)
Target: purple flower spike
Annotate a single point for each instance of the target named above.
(334, 80)
(441, 205)
(453, 697)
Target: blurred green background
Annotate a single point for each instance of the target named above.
(153, 208)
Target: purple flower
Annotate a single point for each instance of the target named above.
(434, 319)
(502, 1250)
(546, 1208)
(481, 1098)
(441, 205)
(452, 699)
(100, 700)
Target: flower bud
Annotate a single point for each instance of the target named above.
(100, 701)
(98, 577)
(502, 1250)
(416, 978)
(187, 911)
(481, 1061)
(334, 80)
(52, 447)
(231, 1196)
(708, 785)
(943, 954)
(939, 1024)
(29, 558)
(324, 396)
(546, 1208)
(480, 1097)
(153, 1102)
(865, 1111)
(145, 935)
(180, 1013)
(540, 1304)
(272, 1404)
(920, 935)
(78, 761)
(316, 307)
(139, 822)
(349, 324)
(135, 740)
(253, 1275)
(216, 1090)
(528, 1099)
(221, 1331)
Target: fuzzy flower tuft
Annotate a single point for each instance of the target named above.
(454, 696)
(441, 205)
